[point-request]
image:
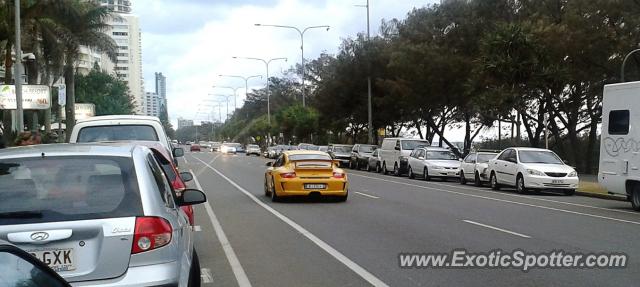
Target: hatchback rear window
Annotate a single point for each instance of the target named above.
(50, 189)
(117, 133)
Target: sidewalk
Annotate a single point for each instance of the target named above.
(590, 187)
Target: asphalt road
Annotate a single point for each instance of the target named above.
(307, 242)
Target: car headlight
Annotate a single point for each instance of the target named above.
(573, 174)
(534, 172)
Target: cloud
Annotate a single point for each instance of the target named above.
(193, 42)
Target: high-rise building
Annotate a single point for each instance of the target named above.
(161, 90)
(125, 31)
(183, 123)
(153, 103)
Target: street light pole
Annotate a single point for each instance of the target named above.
(235, 93)
(624, 62)
(18, 70)
(301, 32)
(369, 105)
(246, 84)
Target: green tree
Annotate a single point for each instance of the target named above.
(110, 94)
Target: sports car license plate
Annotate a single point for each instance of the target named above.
(315, 186)
(557, 181)
(59, 260)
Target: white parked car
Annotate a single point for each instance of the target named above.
(430, 162)
(476, 167)
(532, 168)
(395, 152)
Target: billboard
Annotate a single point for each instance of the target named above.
(34, 97)
(83, 111)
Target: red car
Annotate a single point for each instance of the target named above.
(194, 147)
(176, 178)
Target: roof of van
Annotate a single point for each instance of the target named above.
(120, 117)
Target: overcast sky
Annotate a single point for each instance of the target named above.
(193, 41)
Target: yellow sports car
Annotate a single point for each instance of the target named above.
(305, 173)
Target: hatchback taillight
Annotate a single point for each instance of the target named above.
(288, 175)
(338, 174)
(150, 233)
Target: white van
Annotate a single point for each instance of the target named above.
(619, 170)
(395, 152)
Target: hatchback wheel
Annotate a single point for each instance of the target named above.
(476, 180)
(411, 175)
(520, 188)
(194, 272)
(274, 196)
(463, 180)
(494, 182)
(266, 188)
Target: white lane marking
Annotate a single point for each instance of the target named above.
(367, 195)
(534, 198)
(205, 274)
(185, 160)
(366, 275)
(496, 228)
(197, 228)
(504, 200)
(238, 271)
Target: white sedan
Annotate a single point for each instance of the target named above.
(430, 162)
(532, 169)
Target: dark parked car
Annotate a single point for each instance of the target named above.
(341, 152)
(360, 155)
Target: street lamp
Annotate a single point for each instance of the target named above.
(246, 83)
(18, 70)
(301, 32)
(369, 112)
(235, 93)
(227, 100)
(266, 63)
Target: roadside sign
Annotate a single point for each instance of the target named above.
(34, 97)
(83, 111)
(62, 95)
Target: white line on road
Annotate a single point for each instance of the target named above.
(498, 229)
(372, 279)
(367, 195)
(197, 228)
(205, 274)
(533, 198)
(503, 200)
(185, 160)
(238, 271)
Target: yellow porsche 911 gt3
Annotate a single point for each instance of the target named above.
(301, 173)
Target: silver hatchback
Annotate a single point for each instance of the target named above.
(99, 215)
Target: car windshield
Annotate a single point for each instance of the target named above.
(441, 155)
(319, 156)
(342, 149)
(535, 156)
(413, 144)
(367, 148)
(117, 133)
(485, 157)
(48, 189)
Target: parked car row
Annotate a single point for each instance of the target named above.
(108, 209)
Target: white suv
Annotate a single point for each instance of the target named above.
(532, 168)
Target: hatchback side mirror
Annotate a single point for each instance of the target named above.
(186, 176)
(192, 197)
(178, 152)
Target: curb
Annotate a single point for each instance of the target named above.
(602, 196)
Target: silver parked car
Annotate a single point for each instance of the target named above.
(98, 215)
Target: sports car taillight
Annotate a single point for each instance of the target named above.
(288, 175)
(150, 233)
(338, 174)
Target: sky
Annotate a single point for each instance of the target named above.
(192, 42)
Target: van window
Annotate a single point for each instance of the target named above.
(619, 122)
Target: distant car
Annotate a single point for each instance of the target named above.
(19, 268)
(341, 152)
(253, 149)
(360, 155)
(306, 146)
(323, 148)
(215, 146)
(476, 166)
(430, 162)
(374, 162)
(108, 213)
(194, 147)
(303, 173)
(532, 169)
(227, 149)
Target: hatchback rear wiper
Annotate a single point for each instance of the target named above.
(21, 214)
